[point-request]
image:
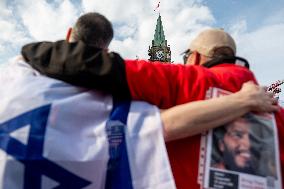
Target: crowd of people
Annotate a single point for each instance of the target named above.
(179, 91)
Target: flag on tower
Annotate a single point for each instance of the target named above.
(157, 7)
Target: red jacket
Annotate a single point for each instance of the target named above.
(166, 85)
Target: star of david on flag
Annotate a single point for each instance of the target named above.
(54, 135)
(31, 154)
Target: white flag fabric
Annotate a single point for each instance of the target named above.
(54, 135)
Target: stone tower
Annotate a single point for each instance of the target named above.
(159, 51)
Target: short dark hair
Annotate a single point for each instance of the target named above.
(93, 29)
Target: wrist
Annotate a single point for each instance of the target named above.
(245, 101)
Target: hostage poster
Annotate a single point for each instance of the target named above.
(243, 154)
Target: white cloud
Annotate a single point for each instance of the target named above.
(188, 22)
(28, 20)
(11, 32)
(125, 31)
(135, 23)
(264, 50)
(263, 47)
(122, 11)
(2, 48)
(4, 11)
(46, 21)
(238, 28)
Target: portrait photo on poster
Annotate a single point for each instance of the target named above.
(243, 153)
(246, 146)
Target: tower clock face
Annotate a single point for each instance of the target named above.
(160, 54)
(168, 56)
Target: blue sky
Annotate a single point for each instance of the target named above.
(256, 25)
(256, 12)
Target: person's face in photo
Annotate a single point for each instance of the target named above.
(236, 147)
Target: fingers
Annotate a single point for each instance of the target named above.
(269, 104)
(261, 100)
(274, 101)
(272, 108)
(264, 101)
(265, 88)
(270, 94)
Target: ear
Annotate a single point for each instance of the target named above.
(69, 32)
(193, 59)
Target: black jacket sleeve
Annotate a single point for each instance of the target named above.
(79, 64)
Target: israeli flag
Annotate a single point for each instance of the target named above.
(54, 135)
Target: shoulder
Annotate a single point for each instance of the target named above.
(230, 71)
(229, 67)
(21, 67)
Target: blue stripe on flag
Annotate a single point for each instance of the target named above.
(118, 170)
(31, 155)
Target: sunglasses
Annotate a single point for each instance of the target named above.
(186, 54)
